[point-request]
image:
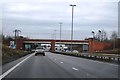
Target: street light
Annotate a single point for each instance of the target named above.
(17, 32)
(60, 29)
(99, 35)
(55, 34)
(93, 34)
(72, 24)
(93, 40)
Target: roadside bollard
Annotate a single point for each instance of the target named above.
(95, 57)
(109, 58)
(118, 59)
(101, 58)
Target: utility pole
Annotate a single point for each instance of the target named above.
(72, 25)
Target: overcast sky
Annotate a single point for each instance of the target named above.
(40, 18)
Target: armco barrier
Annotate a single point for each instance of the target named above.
(95, 56)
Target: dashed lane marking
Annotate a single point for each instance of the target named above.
(75, 69)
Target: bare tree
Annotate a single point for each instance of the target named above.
(101, 35)
(114, 35)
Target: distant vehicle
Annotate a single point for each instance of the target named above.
(46, 50)
(33, 50)
(75, 51)
(39, 50)
(68, 51)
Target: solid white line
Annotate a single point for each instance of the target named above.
(103, 62)
(10, 70)
(112, 64)
(75, 69)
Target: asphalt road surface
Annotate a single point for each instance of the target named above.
(60, 66)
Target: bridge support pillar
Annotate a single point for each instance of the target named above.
(91, 45)
(53, 46)
(19, 43)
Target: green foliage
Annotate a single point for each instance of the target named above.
(9, 55)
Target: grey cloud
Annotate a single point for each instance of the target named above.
(43, 18)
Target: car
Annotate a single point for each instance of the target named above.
(75, 51)
(67, 51)
(33, 50)
(39, 51)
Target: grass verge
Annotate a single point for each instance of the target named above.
(9, 55)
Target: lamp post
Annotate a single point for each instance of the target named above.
(93, 41)
(99, 35)
(72, 24)
(17, 32)
(60, 29)
(55, 34)
(93, 34)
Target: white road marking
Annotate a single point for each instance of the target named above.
(112, 64)
(10, 70)
(103, 62)
(61, 62)
(75, 69)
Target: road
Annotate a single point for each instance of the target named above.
(61, 66)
